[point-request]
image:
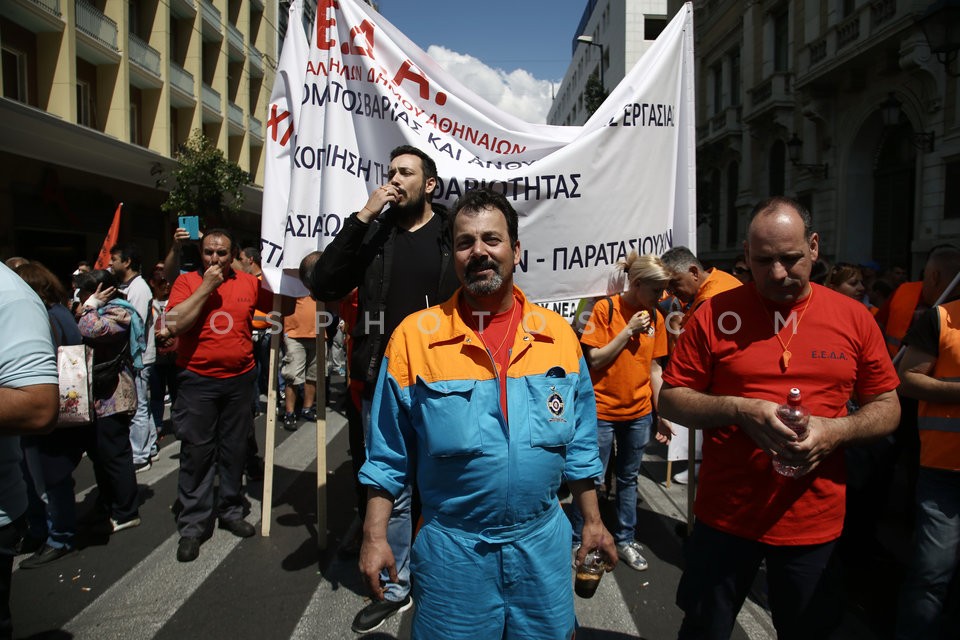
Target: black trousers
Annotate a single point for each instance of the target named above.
(720, 569)
(9, 537)
(212, 420)
(112, 456)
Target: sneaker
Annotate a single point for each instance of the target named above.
(629, 552)
(120, 526)
(308, 415)
(290, 422)
(376, 613)
(154, 456)
(140, 467)
(44, 556)
(684, 476)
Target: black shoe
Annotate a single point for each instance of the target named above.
(376, 613)
(239, 527)
(290, 422)
(308, 415)
(188, 549)
(44, 556)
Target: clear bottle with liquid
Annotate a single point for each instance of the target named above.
(796, 416)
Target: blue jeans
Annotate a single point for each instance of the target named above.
(632, 436)
(61, 514)
(399, 531)
(935, 555)
(143, 429)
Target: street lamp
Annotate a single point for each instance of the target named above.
(589, 40)
(794, 146)
(890, 110)
(940, 24)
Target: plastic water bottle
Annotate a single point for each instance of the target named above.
(796, 416)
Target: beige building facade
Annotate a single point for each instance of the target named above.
(97, 97)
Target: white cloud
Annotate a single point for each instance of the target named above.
(516, 92)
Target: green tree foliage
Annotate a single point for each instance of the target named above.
(593, 94)
(204, 182)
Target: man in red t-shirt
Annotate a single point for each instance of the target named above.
(738, 357)
(212, 313)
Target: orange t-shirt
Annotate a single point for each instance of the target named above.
(302, 323)
(717, 282)
(623, 387)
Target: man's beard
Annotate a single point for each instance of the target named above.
(414, 207)
(482, 287)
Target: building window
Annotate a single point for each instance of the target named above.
(84, 104)
(734, 88)
(778, 168)
(715, 186)
(951, 192)
(653, 27)
(716, 73)
(781, 36)
(733, 187)
(14, 74)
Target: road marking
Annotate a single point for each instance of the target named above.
(136, 606)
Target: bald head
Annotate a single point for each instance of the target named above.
(781, 249)
(942, 267)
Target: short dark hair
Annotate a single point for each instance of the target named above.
(128, 251)
(429, 166)
(253, 253)
(775, 202)
(480, 199)
(87, 282)
(226, 233)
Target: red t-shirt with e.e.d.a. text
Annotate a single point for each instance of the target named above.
(219, 344)
(729, 348)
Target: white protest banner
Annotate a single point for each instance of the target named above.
(586, 195)
(282, 117)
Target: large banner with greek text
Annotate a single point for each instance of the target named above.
(587, 195)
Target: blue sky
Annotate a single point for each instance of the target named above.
(508, 51)
(534, 35)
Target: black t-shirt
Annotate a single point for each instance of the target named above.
(924, 333)
(414, 274)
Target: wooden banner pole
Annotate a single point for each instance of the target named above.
(271, 432)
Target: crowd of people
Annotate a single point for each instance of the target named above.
(470, 428)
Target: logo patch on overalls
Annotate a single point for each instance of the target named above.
(555, 406)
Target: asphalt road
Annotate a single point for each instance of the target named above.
(130, 586)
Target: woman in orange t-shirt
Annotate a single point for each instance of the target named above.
(621, 342)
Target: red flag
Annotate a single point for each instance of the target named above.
(103, 260)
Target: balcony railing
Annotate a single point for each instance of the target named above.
(53, 6)
(234, 37)
(818, 51)
(882, 11)
(256, 61)
(145, 56)
(848, 32)
(210, 13)
(181, 78)
(96, 25)
(256, 128)
(235, 113)
(183, 8)
(211, 98)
